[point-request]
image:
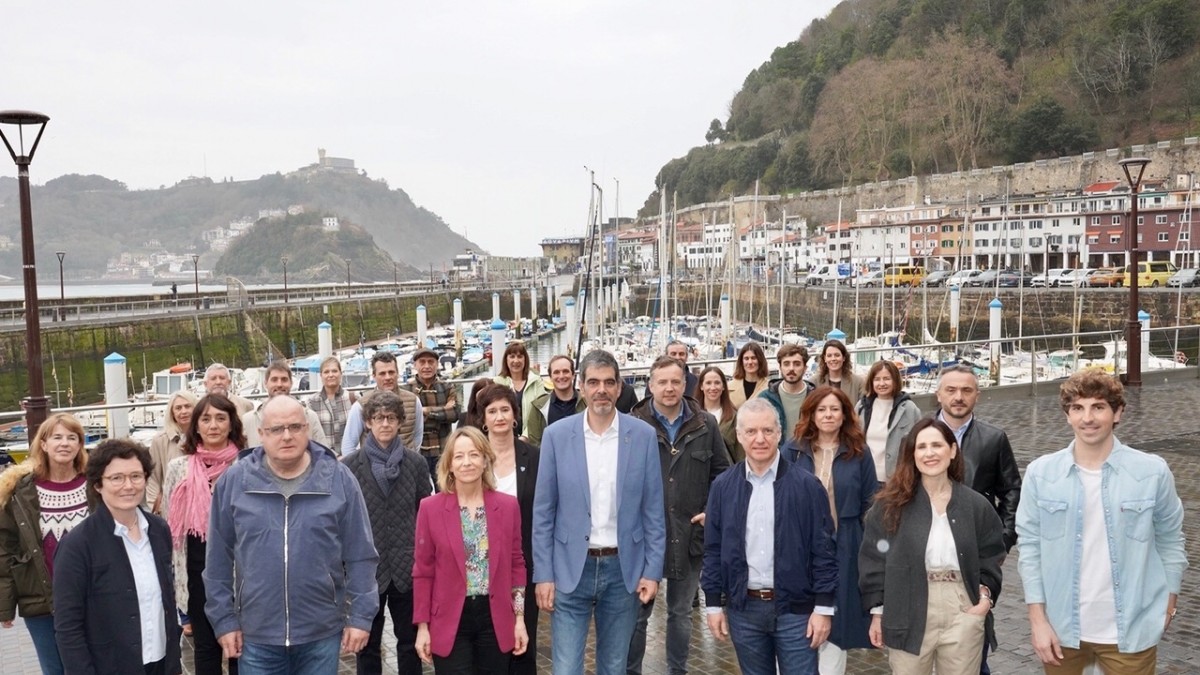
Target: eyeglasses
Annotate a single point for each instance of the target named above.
(293, 428)
(385, 419)
(120, 479)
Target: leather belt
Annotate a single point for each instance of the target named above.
(761, 593)
(602, 552)
(944, 575)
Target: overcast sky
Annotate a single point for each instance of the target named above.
(484, 112)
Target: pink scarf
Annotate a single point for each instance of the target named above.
(191, 500)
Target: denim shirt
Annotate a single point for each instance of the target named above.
(1143, 517)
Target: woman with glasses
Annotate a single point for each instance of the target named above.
(114, 609)
(41, 500)
(469, 575)
(394, 479)
(214, 439)
(515, 469)
(332, 402)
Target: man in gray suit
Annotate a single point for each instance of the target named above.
(599, 531)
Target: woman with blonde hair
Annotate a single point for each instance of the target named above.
(168, 444)
(750, 374)
(41, 500)
(332, 402)
(469, 614)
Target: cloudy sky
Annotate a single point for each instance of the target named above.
(484, 112)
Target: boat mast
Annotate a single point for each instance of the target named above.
(662, 267)
(837, 263)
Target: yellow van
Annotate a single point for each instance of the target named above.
(903, 275)
(1151, 274)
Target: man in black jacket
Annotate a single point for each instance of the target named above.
(991, 468)
(693, 454)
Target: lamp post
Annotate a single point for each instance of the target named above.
(196, 275)
(347, 277)
(284, 259)
(62, 292)
(1133, 167)
(36, 403)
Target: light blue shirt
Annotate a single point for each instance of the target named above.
(959, 432)
(149, 592)
(354, 428)
(672, 427)
(760, 527)
(1143, 517)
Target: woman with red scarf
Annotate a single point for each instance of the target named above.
(214, 438)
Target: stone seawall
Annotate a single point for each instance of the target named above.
(73, 354)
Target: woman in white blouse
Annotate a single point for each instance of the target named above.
(929, 566)
(887, 414)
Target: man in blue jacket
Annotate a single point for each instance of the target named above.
(289, 522)
(599, 530)
(769, 551)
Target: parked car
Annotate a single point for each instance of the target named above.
(1186, 277)
(962, 278)
(1013, 279)
(984, 278)
(869, 280)
(1152, 274)
(1106, 277)
(1076, 277)
(1051, 278)
(937, 278)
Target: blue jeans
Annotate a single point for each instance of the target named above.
(41, 629)
(616, 611)
(680, 593)
(319, 657)
(763, 641)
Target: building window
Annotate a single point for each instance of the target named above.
(947, 228)
(1162, 236)
(1116, 220)
(1160, 219)
(1035, 242)
(981, 243)
(1184, 235)
(947, 243)
(1112, 239)
(1095, 220)
(1141, 220)
(1093, 240)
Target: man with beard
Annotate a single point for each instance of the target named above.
(787, 394)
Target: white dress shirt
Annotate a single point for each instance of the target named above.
(601, 450)
(149, 591)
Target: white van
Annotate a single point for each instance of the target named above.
(825, 275)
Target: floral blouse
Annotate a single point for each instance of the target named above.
(475, 541)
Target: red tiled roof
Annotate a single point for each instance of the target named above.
(1102, 186)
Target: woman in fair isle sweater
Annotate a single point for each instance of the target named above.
(40, 501)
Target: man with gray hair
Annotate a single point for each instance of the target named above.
(599, 531)
(769, 554)
(217, 381)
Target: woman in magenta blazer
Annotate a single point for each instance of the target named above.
(468, 570)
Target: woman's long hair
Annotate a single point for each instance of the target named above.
(901, 488)
(473, 417)
(37, 449)
(237, 435)
(892, 371)
(739, 371)
(850, 435)
(727, 409)
(517, 347)
(170, 425)
(823, 368)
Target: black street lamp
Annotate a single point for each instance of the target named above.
(1133, 167)
(62, 293)
(284, 259)
(36, 403)
(347, 277)
(196, 274)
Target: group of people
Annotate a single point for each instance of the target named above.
(813, 516)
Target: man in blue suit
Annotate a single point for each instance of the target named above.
(599, 531)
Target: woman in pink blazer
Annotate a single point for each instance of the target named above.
(469, 573)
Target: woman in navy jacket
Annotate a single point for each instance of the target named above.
(830, 445)
(114, 603)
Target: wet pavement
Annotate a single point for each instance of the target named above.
(1162, 418)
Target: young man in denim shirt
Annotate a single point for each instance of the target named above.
(1113, 513)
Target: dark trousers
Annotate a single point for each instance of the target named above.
(475, 648)
(526, 664)
(400, 605)
(159, 667)
(208, 653)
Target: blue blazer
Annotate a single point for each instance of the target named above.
(562, 518)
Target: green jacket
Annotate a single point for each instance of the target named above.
(24, 579)
(539, 410)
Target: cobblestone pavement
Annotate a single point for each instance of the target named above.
(1160, 418)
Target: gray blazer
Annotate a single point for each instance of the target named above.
(895, 576)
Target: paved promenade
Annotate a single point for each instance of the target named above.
(1164, 419)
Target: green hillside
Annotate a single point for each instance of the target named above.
(883, 89)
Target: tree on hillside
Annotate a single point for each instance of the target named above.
(716, 132)
(1044, 130)
(971, 86)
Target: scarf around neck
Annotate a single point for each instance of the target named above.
(385, 462)
(191, 499)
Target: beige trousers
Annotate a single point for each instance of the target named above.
(953, 639)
